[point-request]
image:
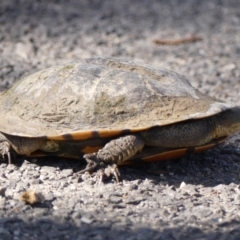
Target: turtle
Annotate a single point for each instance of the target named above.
(111, 112)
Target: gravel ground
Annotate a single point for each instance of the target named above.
(196, 197)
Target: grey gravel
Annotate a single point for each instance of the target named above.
(196, 197)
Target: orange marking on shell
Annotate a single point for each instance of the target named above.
(91, 149)
(86, 135)
(101, 133)
(204, 148)
(39, 153)
(109, 133)
(56, 138)
(74, 136)
(182, 152)
(166, 155)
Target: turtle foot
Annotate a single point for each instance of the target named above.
(101, 170)
(92, 163)
(108, 171)
(101, 173)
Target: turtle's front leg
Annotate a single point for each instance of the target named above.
(112, 154)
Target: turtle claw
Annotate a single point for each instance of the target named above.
(112, 170)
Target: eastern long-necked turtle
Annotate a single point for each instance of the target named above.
(111, 112)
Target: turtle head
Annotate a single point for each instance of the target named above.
(229, 121)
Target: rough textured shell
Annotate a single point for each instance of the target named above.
(101, 95)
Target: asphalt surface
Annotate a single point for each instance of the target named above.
(196, 197)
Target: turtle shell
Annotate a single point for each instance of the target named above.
(100, 97)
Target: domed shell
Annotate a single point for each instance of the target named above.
(101, 96)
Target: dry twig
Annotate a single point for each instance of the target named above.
(179, 41)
